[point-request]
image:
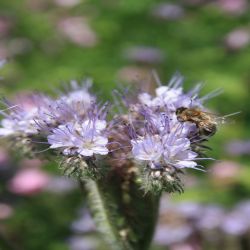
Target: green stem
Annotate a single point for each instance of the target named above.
(124, 225)
(105, 214)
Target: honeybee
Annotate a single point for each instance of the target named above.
(204, 121)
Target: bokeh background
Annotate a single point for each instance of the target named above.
(116, 42)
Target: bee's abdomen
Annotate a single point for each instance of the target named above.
(208, 129)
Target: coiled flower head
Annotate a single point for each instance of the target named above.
(81, 134)
(162, 145)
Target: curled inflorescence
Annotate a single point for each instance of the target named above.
(152, 140)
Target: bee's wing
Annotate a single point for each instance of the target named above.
(224, 119)
(232, 114)
(221, 117)
(213, 115)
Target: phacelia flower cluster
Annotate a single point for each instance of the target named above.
(167, 131)
(152, 140)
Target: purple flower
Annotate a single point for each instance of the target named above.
(161, 144)
(165, 97)
(22, 115)
(172, 96)
(211, 217)
(177, 152)
(235, 223)
(148, 148)
(158, 138)
(167, 11)
(166, 235)
(189, 210)
(150, 137)
(85, 138)
(165, 142)
(72, 106)
(238, 147)
(79, 94)
(144, 54)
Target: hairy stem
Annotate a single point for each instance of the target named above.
(105, 214)
(124, 225)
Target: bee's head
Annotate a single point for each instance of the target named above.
(180, 110)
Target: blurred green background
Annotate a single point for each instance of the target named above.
(49, 42)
